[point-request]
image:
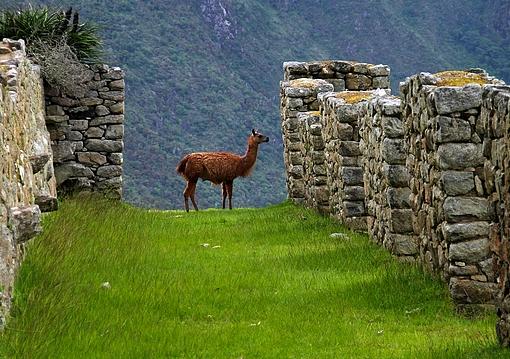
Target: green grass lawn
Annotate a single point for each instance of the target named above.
(247, 283)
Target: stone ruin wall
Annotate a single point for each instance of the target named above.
(87, 131)
(427, 173)
(27, 181)
(49, 143)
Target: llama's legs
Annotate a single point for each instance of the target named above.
(224, 193)
(229, 185)
(192, 195)
(189, 192)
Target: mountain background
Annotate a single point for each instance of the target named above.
(201, 74)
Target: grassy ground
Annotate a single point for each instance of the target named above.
(250, 283)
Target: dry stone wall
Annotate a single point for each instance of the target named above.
(451, 211)
(386, 177)
(87, 131)
(298, 101)
(495, 122)
(27, 181)
(426, 172)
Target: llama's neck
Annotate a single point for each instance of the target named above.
(248, 160)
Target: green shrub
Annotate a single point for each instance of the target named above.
(50, 26)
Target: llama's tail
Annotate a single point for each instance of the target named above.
(182, 165)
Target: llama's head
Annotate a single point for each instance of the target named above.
(257, 137)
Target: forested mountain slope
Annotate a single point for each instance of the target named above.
(202, 73)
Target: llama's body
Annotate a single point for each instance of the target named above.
(218, 167)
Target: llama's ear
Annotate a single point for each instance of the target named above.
(253, 132)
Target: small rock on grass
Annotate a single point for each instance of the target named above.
(106, 285)
(339, 235)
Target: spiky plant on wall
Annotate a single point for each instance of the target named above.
(57, 41)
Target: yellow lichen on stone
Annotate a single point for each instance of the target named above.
(314, 113)
(354, 96)
(459, 78)
(305, 83)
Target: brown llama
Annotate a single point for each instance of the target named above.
(218, 167)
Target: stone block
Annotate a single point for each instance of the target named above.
(94, 132)
(457, 99)
(458, 232)
(469, 291)
(458, 209)
(393, 127)
(398, 197)
(352, 176)
(397, 175)
(380, 82)
(54, 110)
(90, 101)
(109, 171)
(102, 110)
(117, 85)
(349, 148)
(91, 158)
(354, 193)
(107, 120)
(401, 221)
(78, 125)
(393, 151)
(403, 245)
(458, 156)
(104, 145)
(24, 222)
(117, 108)
(62, 151)
(472, 251)
(453, 130)
(112, 95)
(46, 202)
(355, 81)
(457, 183)
(353, 209)
(71, 169)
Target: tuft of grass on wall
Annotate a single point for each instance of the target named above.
(107, 280)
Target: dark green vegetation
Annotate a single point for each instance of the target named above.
(251, 283)
(51, 26)
(196, 83)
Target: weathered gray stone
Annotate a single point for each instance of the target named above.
(56, 119)
(457, 182)
(74, 136)
(354, 193)
(460, 156)
(46, 202)
(39, 161)
(403, 245)
(91, 101)
(54, 110)
(24, 222)
(470, 251)
(398, 176)
(463, 231)
(78, 125)
(354, 81)
(393, 151)
(457, 99)
(467, 270)
(107, 120)
(62, 151)
(457, 209)
(94, 132)
(102, 110)
(453, 130)
(91, 158)
(104, 145)
(112, 95)
(398, 197)
(109, 171)
(71, 169)
(354, 209)
(115, 158)
(352, 176)
(401, 221)
(380, 82)
(117, 108)
(392, 126)
(469, 291)
(117, 85)
(349, 148)
(379, 70)
(63, 101)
